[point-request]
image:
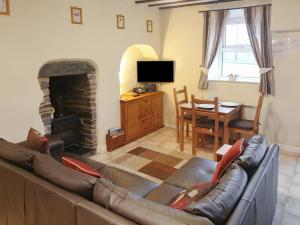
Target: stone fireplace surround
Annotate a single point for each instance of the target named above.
(84, 91)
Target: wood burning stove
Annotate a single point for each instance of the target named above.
(67, 128)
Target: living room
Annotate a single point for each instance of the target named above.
(110, 37)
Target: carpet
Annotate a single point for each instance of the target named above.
(151, 163)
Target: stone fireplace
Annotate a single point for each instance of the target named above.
(69, 95)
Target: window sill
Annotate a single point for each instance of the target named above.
(245, 81)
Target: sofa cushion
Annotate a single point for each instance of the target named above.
(191, 195)
(140, 210)
(80, 166)
(17, 154)
(37, 141)
(50, 169)
(221, 200)
(96, 165)
(253, 154)
(164, 193)
(236, 149)
(131, 182)
(195, 171)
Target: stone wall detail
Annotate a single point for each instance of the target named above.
(80, 96)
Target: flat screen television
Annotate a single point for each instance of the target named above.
(155, 71)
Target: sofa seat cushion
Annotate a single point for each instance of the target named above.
(17, 154)
(50, 169)
(140, 210)
(129, 181)
(196, 170)
(218, 204)
(164, 193)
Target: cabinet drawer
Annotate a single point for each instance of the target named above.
(146, 127)
(147, 119)
(146, 110)
(146, 102)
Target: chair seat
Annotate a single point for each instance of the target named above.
(188, 116)
(241, 124)
(208, 123)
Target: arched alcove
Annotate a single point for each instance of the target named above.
(128, 70)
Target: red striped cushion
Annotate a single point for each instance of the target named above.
(80, 166)
(235, 151)
(185, 198)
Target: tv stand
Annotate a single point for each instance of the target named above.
(141, 115)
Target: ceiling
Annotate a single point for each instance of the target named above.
(167, 4)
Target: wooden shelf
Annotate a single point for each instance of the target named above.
(114, 142)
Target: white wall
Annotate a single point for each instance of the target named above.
(38, 31)
(287, 15)
(182, 42)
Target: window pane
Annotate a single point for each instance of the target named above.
(242, 57)
(231, 34)
(229, 56)
(243, 38)
(243, 70)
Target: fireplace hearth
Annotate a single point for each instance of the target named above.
(69, 102)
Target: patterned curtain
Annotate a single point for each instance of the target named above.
(214, 23)
(258, 25)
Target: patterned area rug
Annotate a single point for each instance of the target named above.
(151, 163)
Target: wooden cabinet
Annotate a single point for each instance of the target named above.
(141, 115)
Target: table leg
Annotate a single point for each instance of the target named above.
(226, 131)
(181, 129)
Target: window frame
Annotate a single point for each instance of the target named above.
(236, 48)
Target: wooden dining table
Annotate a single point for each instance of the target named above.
(226, 114)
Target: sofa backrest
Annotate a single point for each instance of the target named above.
(258, 203)
(28, 199)
(17, 154)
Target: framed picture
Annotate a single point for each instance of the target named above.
(4, 7)
(149, 26)
(120, 22)
(76, 15)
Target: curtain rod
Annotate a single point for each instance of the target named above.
(210, 10)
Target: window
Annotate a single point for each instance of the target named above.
(235, 55)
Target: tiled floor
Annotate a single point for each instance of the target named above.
(164, 140)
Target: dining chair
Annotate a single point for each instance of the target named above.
(209, 126)
(181, 97)
(247, 127)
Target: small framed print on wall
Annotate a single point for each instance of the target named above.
(76, 15)
(120, 22)
(4, 7)
(149, 26)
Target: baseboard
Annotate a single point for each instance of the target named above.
(170, 125)
(289, 148)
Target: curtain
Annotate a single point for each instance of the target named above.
(258, 25)
(214, 23)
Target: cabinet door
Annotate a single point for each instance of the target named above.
(157, 111)
(132, 120)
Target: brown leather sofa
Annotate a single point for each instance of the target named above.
(243, 197)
